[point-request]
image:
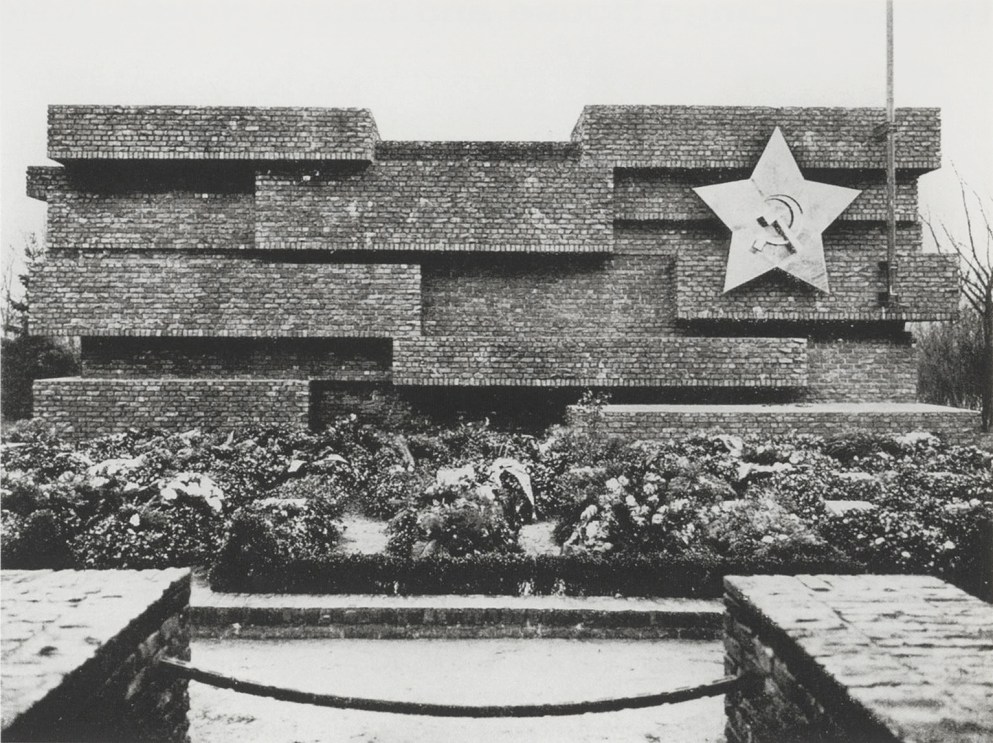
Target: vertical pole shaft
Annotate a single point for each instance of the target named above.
(890, 160)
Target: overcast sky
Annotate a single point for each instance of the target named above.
(491, 69)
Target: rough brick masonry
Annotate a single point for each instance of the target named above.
(98, 406)
(341, 359)
(848, 370)
(665, 362)
(666, 195)
(734, 137)
(461, 205)
(128, 208)
(822, 419)
(184, 295)
(210, 133)
(238, 243)
(852, 256)
(79, 648)
(857, 658)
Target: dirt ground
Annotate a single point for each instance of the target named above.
(457, 671)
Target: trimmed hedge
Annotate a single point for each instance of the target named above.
(513, 574)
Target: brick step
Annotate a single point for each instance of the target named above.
(407, 617)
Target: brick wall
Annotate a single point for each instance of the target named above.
(665, 362)
(43, 180)
(837, 658)
(581, 263)
(862, 370)
(820, 419)
(79, 649)
(230, 358)
(123, 208)
(927, 283)
(544, 151)
(373, 402)
(437, 205)
(666, 195)
(734, 136)
(546, 296)
(210, 132)
(97, 406)
(642, 289)
(178, 294)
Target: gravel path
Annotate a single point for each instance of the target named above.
(367, 536)
(363, 536)
(458, 671)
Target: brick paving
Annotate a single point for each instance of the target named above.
(57, 626)
(908, 658)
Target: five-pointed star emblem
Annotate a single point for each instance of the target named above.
(776, 218)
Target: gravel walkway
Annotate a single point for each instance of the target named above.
(363, 536)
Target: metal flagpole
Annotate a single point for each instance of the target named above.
(891, 297)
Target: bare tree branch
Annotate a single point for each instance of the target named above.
(976, 292)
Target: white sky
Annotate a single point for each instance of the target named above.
(491, 69)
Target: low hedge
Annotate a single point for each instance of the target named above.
(503, 574)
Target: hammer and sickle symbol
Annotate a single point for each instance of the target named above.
(780, 220)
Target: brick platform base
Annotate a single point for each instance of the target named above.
(822, 419)
(97, 406)
(838, 658)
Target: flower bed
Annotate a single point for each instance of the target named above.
(264, 507)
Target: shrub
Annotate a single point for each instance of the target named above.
(457, 515)
(24, 359)
(154, 535)
(273, 532)
(857, 444)
(656, 501)
(387, 490)
(951, 357)
(35, 541)
(951, 539)
(799, 492)
(762, 528)
(506, 574)
(302, 528)
(148, 498)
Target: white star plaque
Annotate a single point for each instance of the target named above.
(776, 218)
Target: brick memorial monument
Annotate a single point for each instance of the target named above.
(706, 265)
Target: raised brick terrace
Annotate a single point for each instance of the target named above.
(858, 658)
(78, 648)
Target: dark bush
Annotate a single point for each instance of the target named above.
(290, 528)
(24, 359)
(501, 574)
(849, 445)
(37, 541)
(183, 534)
(951, 356)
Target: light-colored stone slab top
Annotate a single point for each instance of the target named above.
(203, 597)
(915, 652)
(889, 408)
(55, 621)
